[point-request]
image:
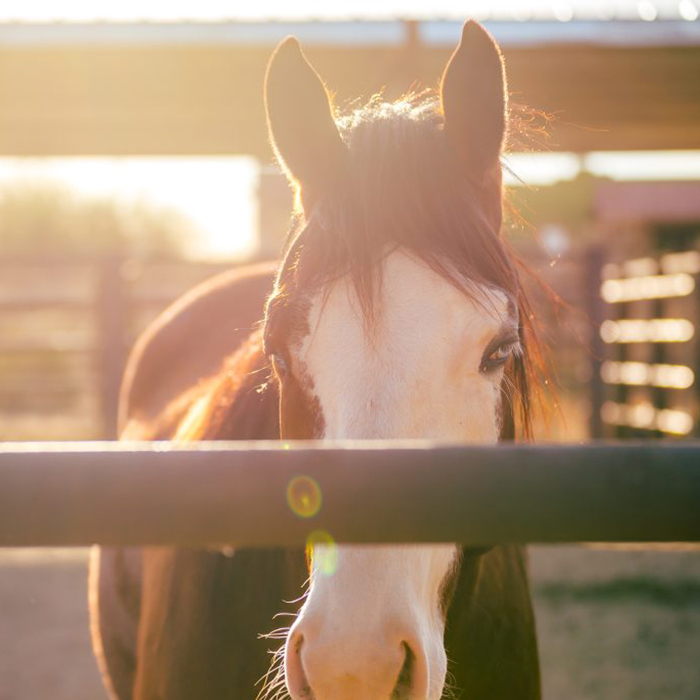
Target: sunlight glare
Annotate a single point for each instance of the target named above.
(216, 194)
(644, 165)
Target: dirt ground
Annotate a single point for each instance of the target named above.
(613, 625)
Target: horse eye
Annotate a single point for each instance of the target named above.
(499, 355)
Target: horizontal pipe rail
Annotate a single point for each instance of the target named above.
(277, 494)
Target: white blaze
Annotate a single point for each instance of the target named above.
(417, 375)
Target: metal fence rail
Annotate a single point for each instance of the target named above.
(260, 494)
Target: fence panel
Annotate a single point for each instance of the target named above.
(103, 303)
(653, 359)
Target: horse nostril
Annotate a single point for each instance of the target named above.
(405, 679)
(320, 667)
(295, 677)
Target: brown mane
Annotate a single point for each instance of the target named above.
(402, 189)
(238, 404)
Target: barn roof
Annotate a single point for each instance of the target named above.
(194, 88)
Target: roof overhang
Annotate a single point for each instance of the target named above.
(196, 88)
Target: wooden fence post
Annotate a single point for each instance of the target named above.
(111, 324)
(594, 308)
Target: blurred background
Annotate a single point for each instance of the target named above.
(134, 162)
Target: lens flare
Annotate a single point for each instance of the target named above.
(304, 496)
(322, 552)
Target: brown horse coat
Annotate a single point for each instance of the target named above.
(173, 624)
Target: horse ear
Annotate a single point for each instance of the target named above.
(474, 100)
(300, 119)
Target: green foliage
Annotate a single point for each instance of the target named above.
(46, 218)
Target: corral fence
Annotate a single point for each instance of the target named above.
(265, 494)
(282, 494)
(66, 325)
(652, 355)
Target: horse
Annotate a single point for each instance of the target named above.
(398, 311)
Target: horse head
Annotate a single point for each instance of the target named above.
(398, 313)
